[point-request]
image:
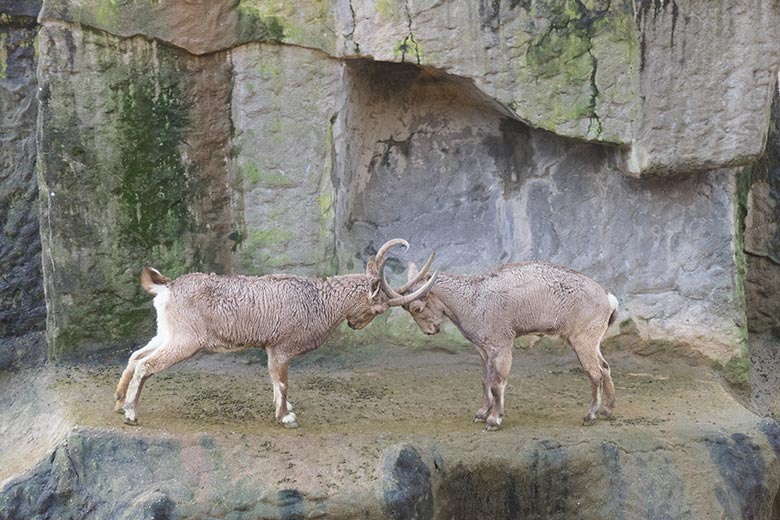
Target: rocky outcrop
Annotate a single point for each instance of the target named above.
(144, 180)
(481, 188)
(680, 85)
(22, 305)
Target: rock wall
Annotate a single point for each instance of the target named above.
(762, 235)
(144, 180)
(283, 101)
(546, 480)
(434, 160)
(250, 137)
(22, 304)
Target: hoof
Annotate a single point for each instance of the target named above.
(289, 421)
(493, 423)
(588, 420)
(477, 418)
(119, 407)
(605, 413)
(131, 422)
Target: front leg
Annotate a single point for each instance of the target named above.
(277, 369)
(498, 366)
(487, 402)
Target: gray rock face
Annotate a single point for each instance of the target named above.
(203, 147)
(434, 162)
(642, 74)
(691, 120)
(406, 481)
(22, 305)
(144, 181)
(682, 85)
(284, 193)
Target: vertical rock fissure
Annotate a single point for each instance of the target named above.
(409, 42)
(587, 18)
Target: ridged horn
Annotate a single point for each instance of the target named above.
(419, 293)
(379, 258)
(411, 283)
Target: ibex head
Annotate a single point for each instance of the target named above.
(380, 296)
(426, 310)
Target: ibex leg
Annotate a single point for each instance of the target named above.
(124, 381)
(487, 399)
(277, 369)
(586, 349)
(161, 358)
(499, 365)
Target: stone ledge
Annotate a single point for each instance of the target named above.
(385, 432)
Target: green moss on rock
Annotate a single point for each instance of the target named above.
(254, 175)
(117, 193)
(263, 251)
(154, 191)
(737, 371)
(254, 24)
(3, 56)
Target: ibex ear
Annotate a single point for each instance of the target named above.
(371, 267)
(375, 286)
(411, 271)
(416, 306)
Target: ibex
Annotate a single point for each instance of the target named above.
(493, 308)
(285, 314)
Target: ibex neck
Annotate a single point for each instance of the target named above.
(342, 293)
(454, 291)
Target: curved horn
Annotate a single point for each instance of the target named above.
(419, 293)
(411, 283)
(386, 286)
(379, 258)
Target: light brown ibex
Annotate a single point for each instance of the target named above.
(493, 308)
(285, 314)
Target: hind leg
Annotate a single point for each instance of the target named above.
(607, 388)
(587, 353)
(127, 374)
(164, 356)
(487, 398)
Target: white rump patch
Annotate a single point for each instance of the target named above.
(160, 305)
(613, 301)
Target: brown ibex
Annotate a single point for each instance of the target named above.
(493, 308)
(285, 314)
